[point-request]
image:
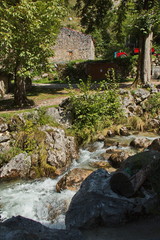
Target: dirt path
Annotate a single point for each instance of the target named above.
(52, 101)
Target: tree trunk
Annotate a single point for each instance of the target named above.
(20, 97)
(143, 76)
(145, 65)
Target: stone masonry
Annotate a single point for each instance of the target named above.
(73, 45)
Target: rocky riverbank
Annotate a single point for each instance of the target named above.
(33, 146)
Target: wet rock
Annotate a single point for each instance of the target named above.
(111, 133)
(18, 228)
(17, 167)
(102, 164)
(96, 204)
(73, 179)
(155, 145)
(116, 159)
(124, 131)
(140, 143)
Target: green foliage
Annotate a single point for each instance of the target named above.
(153, 104)
(29, 136)
(94, 110)
(28, 30)
(6, 156)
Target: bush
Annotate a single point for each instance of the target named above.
(94, 110)
(153, 104)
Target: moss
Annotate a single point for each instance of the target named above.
(6, 156)
(45, 168)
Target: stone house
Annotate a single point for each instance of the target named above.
(73, 45)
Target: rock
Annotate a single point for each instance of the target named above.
(17, 167)
(3, 125)
(140, 142)
(73, 179)
(61, 114)
(154, 123)
(18, 228)
(53, 113)
(124, 131)
(140, 161)
(102, 164)
(140, 95)
(5, 146)
(111, 133)
(116, 159)
(61, 149)
(4, 137)
(109, 142)
(155, 145)
(96, 204)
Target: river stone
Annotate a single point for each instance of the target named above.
(18, 228)
(102, 164)
(140, 142)
(19, 166)
(73, 179)
(96, 204)
(116, 159)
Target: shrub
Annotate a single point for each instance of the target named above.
(153, 104)
(94, 110)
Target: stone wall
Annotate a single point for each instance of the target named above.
(73, 45)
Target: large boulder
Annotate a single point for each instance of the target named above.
(155, 145)
(142, 160)
(18, 228)
(61, 148)
(17, 167)
(96, 204)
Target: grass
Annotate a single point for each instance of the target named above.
(39, 95)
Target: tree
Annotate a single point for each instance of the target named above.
(145, 14)
(28, 29)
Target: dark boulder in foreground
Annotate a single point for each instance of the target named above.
(20, 228)
(96, 204)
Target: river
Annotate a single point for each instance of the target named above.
(38, 199)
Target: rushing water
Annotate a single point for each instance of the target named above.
(38, 200)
